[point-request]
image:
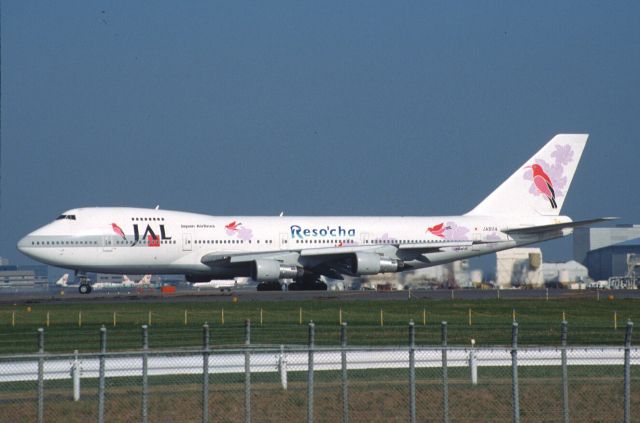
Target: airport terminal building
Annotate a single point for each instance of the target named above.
(23, 277)
(608, 252)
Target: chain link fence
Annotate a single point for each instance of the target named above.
(312, 383)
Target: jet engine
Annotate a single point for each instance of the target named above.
(273, 270)
(372, 264)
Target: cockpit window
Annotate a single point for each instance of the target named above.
(66, 216)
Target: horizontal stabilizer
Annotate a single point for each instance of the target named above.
(556, 226)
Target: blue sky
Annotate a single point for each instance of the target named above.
(314, 108)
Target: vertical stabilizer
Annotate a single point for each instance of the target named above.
(541, 184)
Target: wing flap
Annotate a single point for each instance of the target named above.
(221, 258)
(433, 246)
(556, 226)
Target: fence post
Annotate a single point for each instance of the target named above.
(247, 371)
(145, 374)
(565, 373)
(312, 340)
(514, 372)
(627, 372)
(345, 386)
(473, 364)
(101, 382)
(75, 375)
(412, 372)
(40, 375)
(282, 368)
(445, 374)
(205, 373)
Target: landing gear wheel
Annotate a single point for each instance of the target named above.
(308, 282)
(85, 288)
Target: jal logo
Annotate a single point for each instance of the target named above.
(152, 236)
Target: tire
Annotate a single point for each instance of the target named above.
(84, 288)
(320, 286)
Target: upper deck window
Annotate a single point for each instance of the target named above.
(66, 216)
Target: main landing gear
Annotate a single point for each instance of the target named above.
(269, 286)
(308, 282)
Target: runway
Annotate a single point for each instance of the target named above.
(187, 295)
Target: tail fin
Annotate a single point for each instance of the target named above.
(146, 280)
(541, 184)
(63, 280)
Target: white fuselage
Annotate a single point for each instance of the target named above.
(135, 240)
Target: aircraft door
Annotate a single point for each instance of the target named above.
(186, 242)
(284, 242)
(107, 243)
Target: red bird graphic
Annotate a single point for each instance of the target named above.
(233, 226)
(437, 230)
(543, 183)
(119, 231)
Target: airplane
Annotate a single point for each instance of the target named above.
(63, 281)
(145, 281)
(523, 210)
(223, 284)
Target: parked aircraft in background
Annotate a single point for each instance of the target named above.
(523, 210)
(126, 282)
(223, 284)
(145, 281)
(63, 281)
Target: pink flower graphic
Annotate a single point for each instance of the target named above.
(236, 229)
(563, 155)
(245, 233)
(455, 232)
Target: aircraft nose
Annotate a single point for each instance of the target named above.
(24, 246)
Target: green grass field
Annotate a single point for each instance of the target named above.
(76, 326)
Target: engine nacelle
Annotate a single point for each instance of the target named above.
(273, 271)
(372, 264)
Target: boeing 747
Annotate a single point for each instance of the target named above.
(523, 210)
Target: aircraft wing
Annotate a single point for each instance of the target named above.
(555, 227)
(432, 247)
(329, 253)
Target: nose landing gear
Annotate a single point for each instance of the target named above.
(85, 286)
